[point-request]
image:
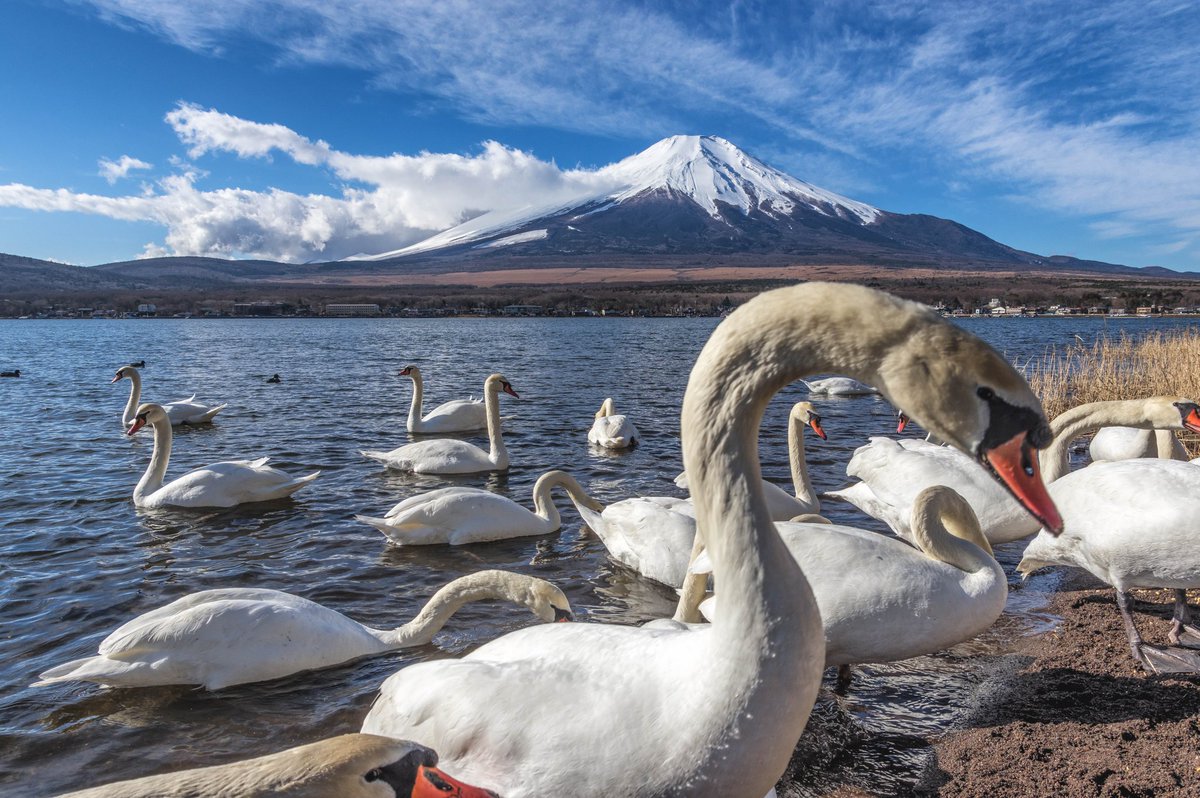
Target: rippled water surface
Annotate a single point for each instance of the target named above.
(77, 560)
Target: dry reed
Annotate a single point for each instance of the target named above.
(1158, 364)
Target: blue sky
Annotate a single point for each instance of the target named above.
(316, 129)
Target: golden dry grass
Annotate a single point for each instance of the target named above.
(1161, 363)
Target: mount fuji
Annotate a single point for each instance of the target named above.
(699, 200)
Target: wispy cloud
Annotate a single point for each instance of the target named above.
(112, 171)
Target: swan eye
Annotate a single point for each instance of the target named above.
(373, 775)
(985, 393)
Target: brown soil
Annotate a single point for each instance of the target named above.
(1081, 719)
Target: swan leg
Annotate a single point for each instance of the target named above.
(844, 675)
(1153, 658)
(1183, 633)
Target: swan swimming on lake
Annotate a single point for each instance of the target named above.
(457, 415)
(610, 430)
(181, 411)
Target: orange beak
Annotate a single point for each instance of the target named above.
(815, 423)
(137, 424)
(508, 389)
(1015, 463)
(901, 422)
(433, 783)
(1192, 421)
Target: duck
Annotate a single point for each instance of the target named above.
(13, 373)
(612, 431)
(449, 456)
(782, 505)
(460, 515)
(457, 415)
(274, 378)
(141, 364)
(883, 600)
(347, 766)
(892, 472)
(225, 484)
(581, 709)
(229, 636)
(839, 386)
(181, 411)
(1132, 523)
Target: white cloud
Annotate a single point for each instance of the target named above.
(112, 171)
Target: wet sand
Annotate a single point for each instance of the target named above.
(1074, 716)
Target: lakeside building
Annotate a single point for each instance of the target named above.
(352, 310)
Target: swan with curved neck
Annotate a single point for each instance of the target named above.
(782, 505)
(448, 456)
(883, 600)
(612, 430)
(460, 515)
(181, 411)
(457, 415)
(554, 710)
(225, 484)
(349, 766)
(893, 472)
(219, 638)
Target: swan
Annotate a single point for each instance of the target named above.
(839, 386)
(457, 415)
(882, 600)
(780, 504)
(348, 766)
(1130, 443)
(893, 472)
(448, 456)
(591, 710)
(181, 411)
(225, 484)
(462, 515)
(610, 430)
(651, 534)
(1132, 523)
(219, 638)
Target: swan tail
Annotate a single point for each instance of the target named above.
(380, 456)
(89, 669)
(300, 482)
(399, 534)
(210, 414)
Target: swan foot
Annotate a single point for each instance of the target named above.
(1161, 660)
(1182, 632)
(844, 676)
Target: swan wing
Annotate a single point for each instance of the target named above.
(229, 483)
(650, 534)
(441, 456)
(459, 516)
(457, 415)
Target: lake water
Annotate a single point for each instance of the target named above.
(77, 559)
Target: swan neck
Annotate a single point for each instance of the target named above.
(491, 402)
(543, 503)
(945, 528)
(800, 479)
(1085, 419)
(152, 480)
(418, 401)
(480, 586)
(135, 396)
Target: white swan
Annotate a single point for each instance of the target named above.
(883, 600)
(223, 484)
(457, 415)
(893, 472)
(591, 710)
(219, 638)
(839, 386)
(780, 504)
(1132, 523)
(181, 411)
(651, 534)
(349, 766)
(461, 515)
(449, 456)
(610, 430)
(1130, 443)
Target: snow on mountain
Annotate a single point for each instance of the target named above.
(710, 171)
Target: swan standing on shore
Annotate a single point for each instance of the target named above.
(219, 638)
(882, 600)
(893, 472)
(782, 505)
(591, 710)
(1133, 523)
(449, 456)
(349, 766)
(457, 415)
(610, 430)
(181, 411)
(462, 515)
(225, 484)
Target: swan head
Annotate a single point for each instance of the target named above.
(1173, 412)
(901, 421)
(547, 602)
(806, 413)
(410, 371)
(963, 391)
(501, 384)
(125, 372)
(146, 413)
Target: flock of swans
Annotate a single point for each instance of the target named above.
(582, 709)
